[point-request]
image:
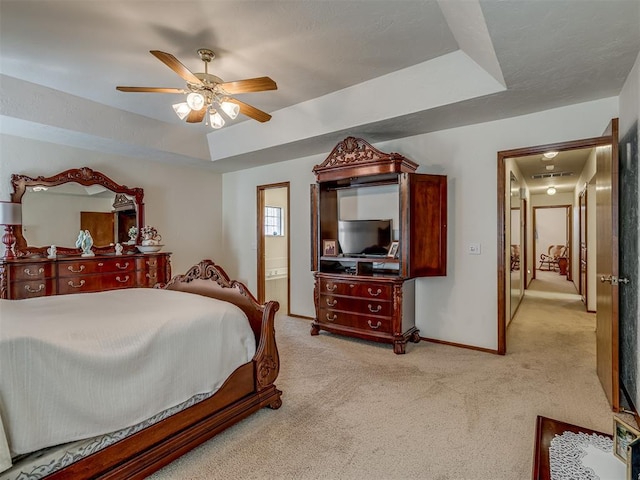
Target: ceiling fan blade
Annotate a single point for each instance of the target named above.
(259, 84)
(151, 89)
(174, 64)
(250, 111)
(196, 116)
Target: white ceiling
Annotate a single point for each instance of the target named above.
(567, 167)
(377, 69)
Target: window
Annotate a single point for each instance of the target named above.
(273, 224)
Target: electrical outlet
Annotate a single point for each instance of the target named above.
(474, 249)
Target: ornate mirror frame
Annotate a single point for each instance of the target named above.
(85, 177)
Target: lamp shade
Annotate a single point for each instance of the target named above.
(10, 213)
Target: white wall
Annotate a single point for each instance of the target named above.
(183, 203)
(461, 307)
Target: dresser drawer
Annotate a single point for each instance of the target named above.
(84, 267)
(31, 271)
(366, 323)
(32, 288)
(372, 306)
(96, 283)
(356, 289)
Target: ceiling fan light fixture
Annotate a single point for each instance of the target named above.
(216, 119)
(195, 101)
(550, 167)
(549, 155)
(551, 191)
(231, 109)
(182, 110)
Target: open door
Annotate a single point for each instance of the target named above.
(607, 351)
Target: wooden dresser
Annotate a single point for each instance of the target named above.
(367, 295)
(37, 277)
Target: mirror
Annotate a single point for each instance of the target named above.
(55, 209)
(515, 248)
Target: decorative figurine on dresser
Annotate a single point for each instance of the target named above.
(376, 227)
(56, 208)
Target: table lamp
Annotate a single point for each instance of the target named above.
(10, 215)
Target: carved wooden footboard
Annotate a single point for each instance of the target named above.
(247, 390)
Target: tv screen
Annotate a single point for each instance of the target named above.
(364, 237)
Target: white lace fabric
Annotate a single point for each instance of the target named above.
(567, 452)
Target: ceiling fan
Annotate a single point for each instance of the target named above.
(208, 94)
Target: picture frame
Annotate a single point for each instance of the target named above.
(393, 249)
(633, 460)
(330, 248)
(623, 435)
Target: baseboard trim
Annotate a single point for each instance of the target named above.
(591, 311)
(461, 345)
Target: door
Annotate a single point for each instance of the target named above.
(582, 268)
(100, 225)
(607, 360)
(273, 244)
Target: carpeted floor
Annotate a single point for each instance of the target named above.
(354, 410)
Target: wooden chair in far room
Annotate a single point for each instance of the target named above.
(550, 259)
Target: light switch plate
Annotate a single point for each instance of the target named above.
(474, 249)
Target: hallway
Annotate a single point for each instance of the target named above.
(553, 325)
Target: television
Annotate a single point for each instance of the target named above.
(364, 237)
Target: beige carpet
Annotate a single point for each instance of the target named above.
(354, 410)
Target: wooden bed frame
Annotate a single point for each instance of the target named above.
(247, 390)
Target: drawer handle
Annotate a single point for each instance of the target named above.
(80, 285)
(330, 303)
(123, 267)
(152, 275)
(331, 288)
(374, 310)
(152, 263)
(31, 290)
(331, 318)
(28, 272)
(126, 279)
(70, 268)
(374, 294)
(377, 326)
(101, 264)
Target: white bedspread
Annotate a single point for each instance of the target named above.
(76, 366)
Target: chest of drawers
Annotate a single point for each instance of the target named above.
(36, 277)
(372, 308)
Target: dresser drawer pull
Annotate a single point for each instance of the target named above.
(374, 294)
(152, 275)
(122, 267)
(101, 264)
(331, 318)
(70, 268)
(80, 285)
(378, 325)
(332, 303)
(331, 287)
(374, 310)
(28, 272)
(30, 290)
(152, 263)
(126, 279)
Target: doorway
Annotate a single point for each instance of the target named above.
(273, 244)
(605, 152)
(552, 232)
